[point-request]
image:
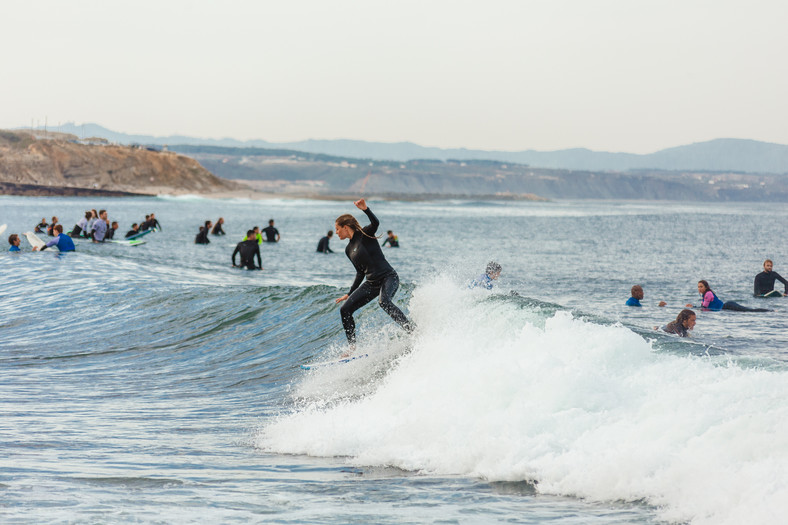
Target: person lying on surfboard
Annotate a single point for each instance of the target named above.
(764, 281)
(367, 257)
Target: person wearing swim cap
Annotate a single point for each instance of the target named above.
(367, 258)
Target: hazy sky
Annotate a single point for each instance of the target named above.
(614, 75)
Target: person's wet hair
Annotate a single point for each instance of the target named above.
(684, 315)
(493, 267)
(348, 220)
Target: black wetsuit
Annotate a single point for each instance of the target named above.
(110, 234)
(248, 250)
(392, 241)
(154, 223)
(131, 232)
(764, 282)
(322, 246)
(270, 234)
(381, 279)
(676, 328)
(41, 228)
(217, 230)
(202, 237)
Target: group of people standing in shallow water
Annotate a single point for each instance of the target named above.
(94, 226)
(685, 321)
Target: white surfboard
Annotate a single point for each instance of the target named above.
(313, 366)
(2, 228)
(34, 241)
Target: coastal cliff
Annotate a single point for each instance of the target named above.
(60, 164)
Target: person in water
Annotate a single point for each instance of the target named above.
(248, 250)
(14, 241)
(51, 227)
(391, 239)
(202, 237)
(63, 242)
(271, 233)
(485, 280)
(135, 229)
(100, 227)
(218, 230)
(81, 226)
(153, 223)
(111, 231)
(41, 227)
(684, 322)
(322, 246)
(710, 301)
(367, 257)
(145, 225)
(257, 235)
(764, 281)
(637, 295)
(88, 232)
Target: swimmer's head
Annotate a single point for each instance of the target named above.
(637, 292)
(703, 287)
(768, 265)
(493, 270)
(13, 239)
(686, 318)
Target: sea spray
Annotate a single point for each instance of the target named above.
(495, 390)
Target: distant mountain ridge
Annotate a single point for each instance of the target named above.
(725, 154)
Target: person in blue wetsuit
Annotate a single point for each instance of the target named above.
(637, 295)
(63, 242)
(14, 241)
(710, 301)
(367, 257)
(764, 281)
(485, 280)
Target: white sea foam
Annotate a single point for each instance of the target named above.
(494, 390)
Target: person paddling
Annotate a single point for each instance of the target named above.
(367, 257)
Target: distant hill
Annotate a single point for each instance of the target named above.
(59, 164)
(741, 155)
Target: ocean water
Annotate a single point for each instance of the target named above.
(157, 384)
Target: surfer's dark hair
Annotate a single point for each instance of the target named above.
(706, 285)
(684, 315)
(13, 237)
(348, 220)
